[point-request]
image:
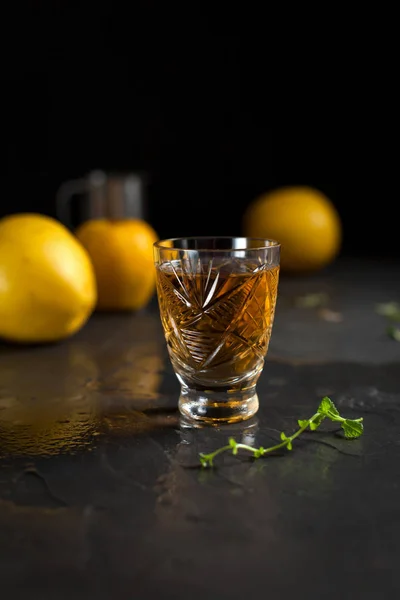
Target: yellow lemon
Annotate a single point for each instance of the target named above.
(303, 220)
(122, 256)
(47, 282)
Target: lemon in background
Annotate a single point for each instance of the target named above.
(303, 220)
(122, 255)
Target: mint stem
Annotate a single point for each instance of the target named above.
(353, 428)
(292, 437)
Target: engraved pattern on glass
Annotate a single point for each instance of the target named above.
(217, 317)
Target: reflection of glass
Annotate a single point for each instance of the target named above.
(217, 301)
(196, 438)
(243, 432)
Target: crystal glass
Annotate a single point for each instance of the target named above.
(217, 300)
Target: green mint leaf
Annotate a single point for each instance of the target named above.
(316, 422)
(327, 408)
(352, 428)
(288, 441)
(394, 333)
(389, 309)
(312, 300)
(302, 422)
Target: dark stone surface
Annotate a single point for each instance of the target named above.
(100, 491)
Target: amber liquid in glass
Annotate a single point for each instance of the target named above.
(217, 321)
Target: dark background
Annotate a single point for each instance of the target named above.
(215, 109)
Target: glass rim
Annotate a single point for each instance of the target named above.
(265, 243)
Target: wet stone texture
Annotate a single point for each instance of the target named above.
(101, 494)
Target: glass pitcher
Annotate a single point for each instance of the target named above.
(101, 195)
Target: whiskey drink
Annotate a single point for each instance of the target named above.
(218, 323)
(217, 313)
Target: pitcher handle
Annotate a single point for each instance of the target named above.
(64, 195)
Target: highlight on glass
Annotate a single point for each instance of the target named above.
(217, 299)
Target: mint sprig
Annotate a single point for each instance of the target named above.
(394, 333)
(391, 310)
(352, 429)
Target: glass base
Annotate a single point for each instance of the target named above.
(214, 407)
